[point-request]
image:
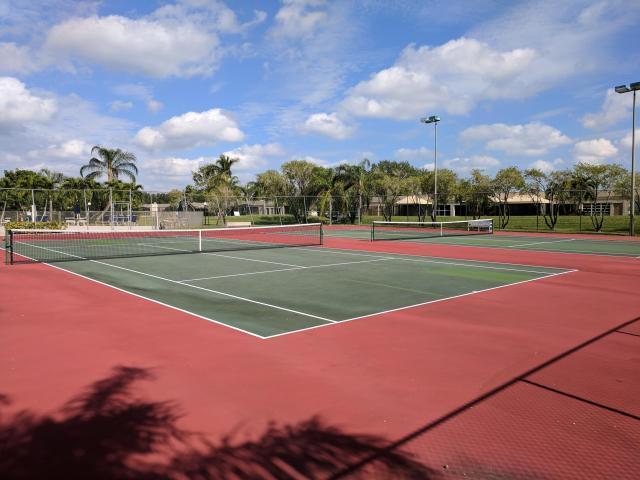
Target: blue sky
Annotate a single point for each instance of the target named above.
(178, 83)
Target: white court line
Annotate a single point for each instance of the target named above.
(190, 286)
(286, 269)
(148, 298)
(547, 275)
(417, 258)
(511, 247)
(564, 252)
(222, 255)
(421, 304)
(540, 243)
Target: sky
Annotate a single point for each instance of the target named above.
(178, 83)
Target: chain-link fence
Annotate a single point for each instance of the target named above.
(565, 211)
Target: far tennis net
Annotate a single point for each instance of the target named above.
(417, 230)
(27, 245)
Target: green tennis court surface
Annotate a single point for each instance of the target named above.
(594, 246)
(275, 291)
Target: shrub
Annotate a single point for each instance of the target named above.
(32, 225)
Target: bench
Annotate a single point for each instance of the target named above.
(237, 224)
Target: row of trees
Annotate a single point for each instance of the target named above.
(353, 187)
(347, 189)
(53, 190)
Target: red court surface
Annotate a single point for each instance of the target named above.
(537, 380)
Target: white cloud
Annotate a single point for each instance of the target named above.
(72, 149)
(191, 129)
(16, 59)
(328, 124)
(464, 165)
(119, 106)
(311, 64)
(139, 92)
(154, 106)
(547, 166)
(173, 166)
(529, 139)
(616, 107)
(298, 18)
(570, 38)
(318, 161)
(413, 154)
(154, 48)
(211, 12)
(626, 140)
(19, 106)
(452, 77)
(61, 141)
(594, 151)
(255, 156)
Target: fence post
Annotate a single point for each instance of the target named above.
(34, 212)
(249, 207)
(304, 201)
(111, 211)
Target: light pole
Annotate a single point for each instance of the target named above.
(434, 119)
(624, 89)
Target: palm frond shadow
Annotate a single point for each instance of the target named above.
(108, 432)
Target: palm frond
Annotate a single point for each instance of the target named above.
(93, 175)
(124, 172)
(126, 165)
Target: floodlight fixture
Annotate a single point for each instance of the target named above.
(633, 87)
(431, 119)
(434, 119)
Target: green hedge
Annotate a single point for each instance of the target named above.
(32, 225)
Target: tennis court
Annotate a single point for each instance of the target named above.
(244, 280)
(303, 343)
(514, 241)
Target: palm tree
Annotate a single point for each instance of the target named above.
(223, 169)
(213, 175)
(114, 163)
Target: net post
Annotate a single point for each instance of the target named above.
(321, 234)
(199, 240)
(373, 229)
(9, 247)
(441, 232)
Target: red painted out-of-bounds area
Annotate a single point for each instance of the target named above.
(537, 380)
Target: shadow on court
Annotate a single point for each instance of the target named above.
(108, 432)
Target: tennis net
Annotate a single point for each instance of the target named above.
(417, 230)
(26, 245)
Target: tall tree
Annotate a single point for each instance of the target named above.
(557, 191)
(600, 182)
(305, 181)
(447, 187)
(390, 180)
(534, 182)
(475, 192)
(506, 182)
(213, 175)
(113, 163)
(350, 189)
